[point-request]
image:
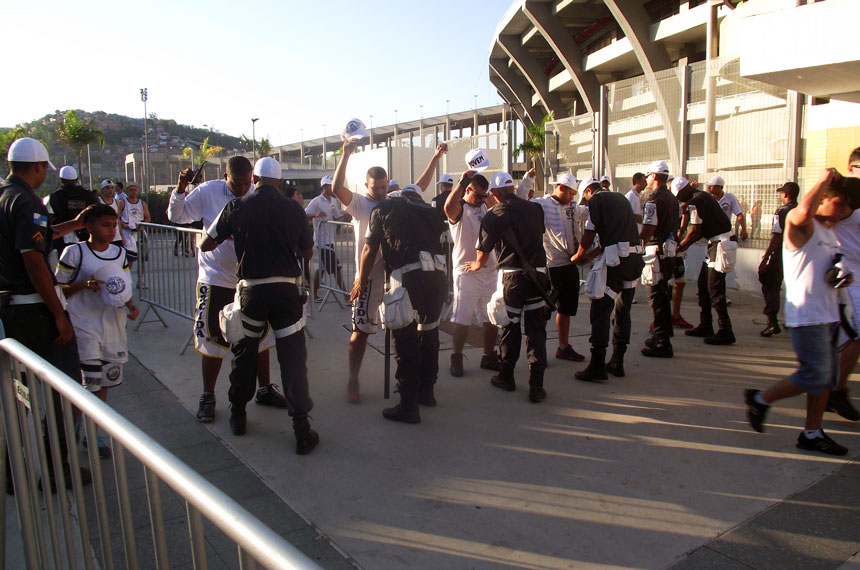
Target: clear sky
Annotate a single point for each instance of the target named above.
(294, 64)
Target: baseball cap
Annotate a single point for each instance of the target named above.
(477, 160)
(717, 181)
(395, 193)
(566, 179)
(411, 188)
(132, 183)
(678, 184)
(584, 184)
(393, 182)
(326, 180)
(446, 179)
(790, 188)
(68, 173)
(354, 130)
(604, 178)
(28, 150)
(658, 167)
(105, 183)
(501, 180)
(267, 167)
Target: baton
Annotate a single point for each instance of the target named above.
(387, 366)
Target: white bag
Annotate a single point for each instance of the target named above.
(727, 255)
(397, 311)
(595, 283)
(651, 272)
(230, 321)
(497, 311)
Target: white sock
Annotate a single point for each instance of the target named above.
(759, 398)
(813, 433)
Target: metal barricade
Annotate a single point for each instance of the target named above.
(336, 265)
(31, 388)
(167, 272)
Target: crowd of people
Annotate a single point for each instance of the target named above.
(511, 260)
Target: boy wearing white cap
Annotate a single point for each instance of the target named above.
(326, 207)
(134, 212)
(108, 197)
(728, 203)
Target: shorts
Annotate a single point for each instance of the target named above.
(328, 260)
(99, 374)
(565, 280)
(816, 350)
(851, 297)
(208, 339)
(472, 292)
(365, 309)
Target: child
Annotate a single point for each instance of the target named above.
(95, 305)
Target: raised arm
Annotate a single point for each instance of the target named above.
(424, 180)
(343, 193)
(453, 208)
(798, 222)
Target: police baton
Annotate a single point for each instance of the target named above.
(387, 366)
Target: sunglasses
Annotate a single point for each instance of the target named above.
(857, 166)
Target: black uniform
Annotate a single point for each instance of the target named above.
(66, 203)
(522, 296)
(770, 271)
(406, 228)
(661, 210)
(439, 204)
(269, 231)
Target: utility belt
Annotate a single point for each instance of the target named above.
(520, 270)
(266, 280)
(8, 299)
(652, 272)
(595, 283)
(426, 262)
(727, 252)
(230, 317)
(397, 310)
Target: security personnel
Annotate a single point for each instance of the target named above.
(660, 221)
(267, 230)
(66, 202)
(409, 232)
(770, 268)
(708, 220)
(611, 219)
(510, 226)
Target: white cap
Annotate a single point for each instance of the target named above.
(354, 130)
(411, 188)
(28, 150)
(678, 184)
(477, 160)
(586, 183)
(604, 178)
(393, 182)
(566, 179)
(68, 173)
(105, 183)
(267, 167)
(658, 167)
(326, 180)
(395, 193)
(717, 181)
(446, 179)
(132, 183)
(501, 180)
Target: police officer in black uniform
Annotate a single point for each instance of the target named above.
(516, 224)
(67, 202)
(268, 231)
(708, 220)
(660, 222)
(770, 268)
(611, 219)
(409, 232)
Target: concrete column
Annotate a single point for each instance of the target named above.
(793, 140)
(712, 47)
(684, 134)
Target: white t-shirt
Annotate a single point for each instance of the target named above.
(636, 204)
(465, 233)
(848, 232)
(360, 209)
(559, 240)
(115, 206)
(809, 300)
(205, 202)
(730, 205)
(324, 235)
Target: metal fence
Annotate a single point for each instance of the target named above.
(29, 389)
(336, 266)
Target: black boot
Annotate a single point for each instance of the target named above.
(596, 369)
(426, 397)
(306, 438)
(407, 410)
(658, 348)
(772, 327)
(504, 380)
(616, 363)
(238, 419)
(723, 336)
(537, 393)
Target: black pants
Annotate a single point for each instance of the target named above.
(417, 351)
(712, 293)
(660, 301)
(601, 312)
(519, 292)
(280, 305)
(770, 277)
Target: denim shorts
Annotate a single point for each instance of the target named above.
(816, 349)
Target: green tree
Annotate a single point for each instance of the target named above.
(205, 153)
(534, 145)
(76, 134)
(10, 136)
(264, 147)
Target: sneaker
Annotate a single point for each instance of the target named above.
(456, 365)
(567, 353)
(506, 385)
(700, 331)
(823, 444)
(238, 420)
(270, 395)
(839, 402)
(681, 323)
(307, 444)
(491, 362)
(537, 395)
(755, 412)
(103, 447)
(206, 408)
(353, 396)
(400, 414)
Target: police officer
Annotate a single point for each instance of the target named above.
(660, 221)
(770, 268)
(409, 232)
(514, 228)
(267, 230)
(708, 220)
(619, 255)
(66, 202)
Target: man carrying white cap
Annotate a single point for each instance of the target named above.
(561, 214)
(66, 202)
(268, 232)
(326, 208)
(728, 203)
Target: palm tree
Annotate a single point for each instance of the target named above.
(534, 145)
(206, 152)
(264, 147)
(77, 134)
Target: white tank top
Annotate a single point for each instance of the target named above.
(848, 232)
(465, 233)
(809, 300)
(133, 212)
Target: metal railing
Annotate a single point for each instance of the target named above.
(29, 387)
(340, 280)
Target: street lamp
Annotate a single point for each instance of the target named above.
(144, 97)
(371, 131)
(324, 157)
(302, 148)
(254, 137)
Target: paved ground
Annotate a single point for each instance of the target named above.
(654, 470)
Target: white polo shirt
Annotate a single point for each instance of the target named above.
(324, 234)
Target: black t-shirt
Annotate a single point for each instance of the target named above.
(611, 216)
(705, 210)
(782, 213)
(66, 203)
(526, 220)
(661, 210)
(269, 231)
(24, 225)
(439, 203)
(403, 227)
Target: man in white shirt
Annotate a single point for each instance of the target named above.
(634, 196)
(728, 203)
(326, 207)
(359, 206)
(216, 280)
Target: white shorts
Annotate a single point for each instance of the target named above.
(851, 296)
(208, 339)
(472, 292)
(365, 310)
(100, 374)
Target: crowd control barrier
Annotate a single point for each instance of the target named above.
(336, 265)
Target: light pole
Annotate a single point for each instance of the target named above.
(254, 137)
(371, 131)
(421, 126)
(144, 97)
(324, 157)
(302, 148)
